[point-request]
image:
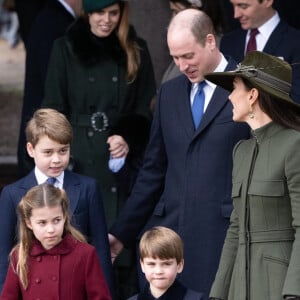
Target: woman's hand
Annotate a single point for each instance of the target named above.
(117, 146)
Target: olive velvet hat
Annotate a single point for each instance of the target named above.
(266, 72)
(95, 5)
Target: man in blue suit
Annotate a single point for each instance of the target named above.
(274, 36)
(49, 135)
(185, 180)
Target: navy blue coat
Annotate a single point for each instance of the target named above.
(86, 210)
(185, 181)
(50, 24)
(283, 42)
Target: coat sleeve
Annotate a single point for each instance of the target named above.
(11, 289)
(95, 289)
(220, 287)
(147, 189)
(8, 225)
(98, 231)
(292, 166)
(56, 80)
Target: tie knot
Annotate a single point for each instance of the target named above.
(51, 180)
(201, 85)
(254, 32)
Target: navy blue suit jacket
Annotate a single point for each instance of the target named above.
(185, 181)
(86, 210)
(284, 42)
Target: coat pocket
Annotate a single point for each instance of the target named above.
(274, 188)
(276, 269)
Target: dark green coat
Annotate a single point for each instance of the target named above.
(86, 75)
(261, 253)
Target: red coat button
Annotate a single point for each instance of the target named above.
(37, 280)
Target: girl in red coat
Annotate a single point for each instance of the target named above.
(52, 259)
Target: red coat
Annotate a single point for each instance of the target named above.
(69, 271)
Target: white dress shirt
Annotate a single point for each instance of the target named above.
(209, 88)
(265, 31)
(41, 178)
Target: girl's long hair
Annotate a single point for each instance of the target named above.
(40, 196)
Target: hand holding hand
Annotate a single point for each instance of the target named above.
(115, 247)
(117, 146)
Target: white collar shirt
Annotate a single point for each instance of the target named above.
(67, 7)
(209, 88)
(265, 32)
(41, 178)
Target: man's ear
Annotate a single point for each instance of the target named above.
(269, 3)
(30, 149)
(211, 41)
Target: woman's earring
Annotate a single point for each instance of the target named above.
(251, 113)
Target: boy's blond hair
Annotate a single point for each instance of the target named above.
(161, 242)
(49, 122)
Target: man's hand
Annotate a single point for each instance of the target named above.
(115, 247)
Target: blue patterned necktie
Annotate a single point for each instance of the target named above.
(198, 104)
(51, 180)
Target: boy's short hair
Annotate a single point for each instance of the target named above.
(161, 242)
(49, 122)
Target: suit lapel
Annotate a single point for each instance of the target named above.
(183, 106)
(275, 38)
(217, 102)
(29, 181)
(72, 188)
(239, 46)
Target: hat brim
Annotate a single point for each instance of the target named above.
(225, 80)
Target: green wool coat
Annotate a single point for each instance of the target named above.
(261, 253)
(87, 75)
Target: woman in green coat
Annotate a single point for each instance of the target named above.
(261, 254)
(100, 72)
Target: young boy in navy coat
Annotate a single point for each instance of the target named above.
(49, 135)
(161, 252)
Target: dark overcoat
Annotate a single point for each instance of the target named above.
(284, 42)
(192, 169)
(69, 271)
(86, 78)
(260, 258)
(86, 209)
(175, 292)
